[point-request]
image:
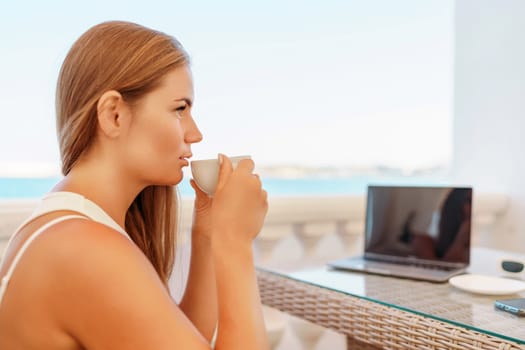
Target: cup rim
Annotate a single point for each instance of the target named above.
(233, 158)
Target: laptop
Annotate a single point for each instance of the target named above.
(417, 232)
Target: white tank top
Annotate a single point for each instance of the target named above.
(57, 201)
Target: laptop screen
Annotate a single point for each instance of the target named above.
(421, 223)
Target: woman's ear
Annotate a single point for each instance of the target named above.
(110, 113)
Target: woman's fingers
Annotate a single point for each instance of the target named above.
(196, 188)
(246, 165)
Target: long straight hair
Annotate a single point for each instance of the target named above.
(132, 60)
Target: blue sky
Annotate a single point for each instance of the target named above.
(339, 83)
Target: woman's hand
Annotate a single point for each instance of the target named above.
(202, 223)
(239, 204)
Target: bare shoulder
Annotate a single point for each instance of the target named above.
(108, 295)
(81, 241)
(86, 251)
(93, 259)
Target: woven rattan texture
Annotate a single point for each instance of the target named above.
(379, 325)
(440, 300)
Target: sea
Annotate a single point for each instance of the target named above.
(31, 188)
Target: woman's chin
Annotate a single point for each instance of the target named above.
(172, 181)
(165, 177)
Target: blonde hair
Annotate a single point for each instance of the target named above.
(130, 59)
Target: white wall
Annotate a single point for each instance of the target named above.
(489, 105)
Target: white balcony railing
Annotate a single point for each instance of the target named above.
(307, 220)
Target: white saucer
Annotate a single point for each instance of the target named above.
(488, 285)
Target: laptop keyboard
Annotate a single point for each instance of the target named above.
(408, 269)
(432, 267)
(418, 265)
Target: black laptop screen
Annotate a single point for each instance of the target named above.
(427, 223)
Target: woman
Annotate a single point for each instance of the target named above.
(89, 269)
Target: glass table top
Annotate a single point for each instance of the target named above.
(440, 301)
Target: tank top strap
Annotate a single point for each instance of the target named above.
(5, 279)
(76, 202)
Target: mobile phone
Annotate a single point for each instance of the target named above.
(514, 306)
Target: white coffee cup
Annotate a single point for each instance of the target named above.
(205, 172)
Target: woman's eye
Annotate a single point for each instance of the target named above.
(180, 110)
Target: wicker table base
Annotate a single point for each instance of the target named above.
(370, 322)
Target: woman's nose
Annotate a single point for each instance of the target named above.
(193, 134)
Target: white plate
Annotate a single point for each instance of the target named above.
(488, 285)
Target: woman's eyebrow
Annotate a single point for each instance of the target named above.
(188, 100)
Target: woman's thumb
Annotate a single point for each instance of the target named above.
(225, 169)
